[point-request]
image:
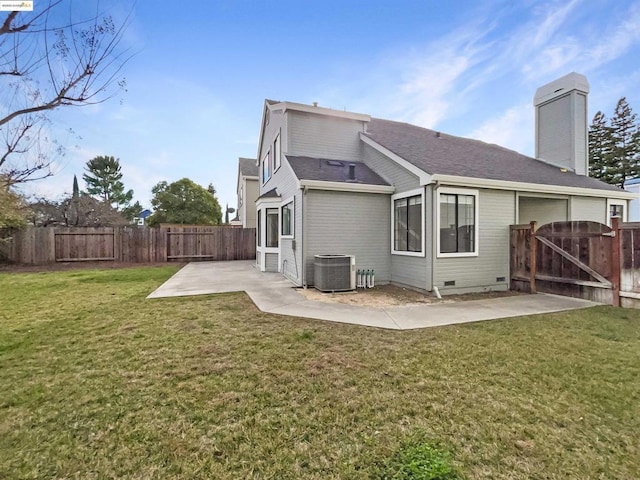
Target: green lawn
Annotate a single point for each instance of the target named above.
(97, 382)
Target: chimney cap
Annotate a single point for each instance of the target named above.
(561, 86)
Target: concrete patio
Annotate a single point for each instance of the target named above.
(272, 293)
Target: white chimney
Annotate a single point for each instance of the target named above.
(561, 123)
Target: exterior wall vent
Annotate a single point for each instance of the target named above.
(334, 273)
(450, 283)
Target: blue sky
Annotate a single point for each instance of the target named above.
(196, 87)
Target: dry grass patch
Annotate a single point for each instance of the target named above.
(100, 383)
(383, 296)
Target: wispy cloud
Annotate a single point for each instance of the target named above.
(512, 129)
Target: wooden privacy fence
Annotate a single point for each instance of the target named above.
(130, 244)
(579, 259)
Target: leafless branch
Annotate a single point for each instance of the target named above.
(46, 64)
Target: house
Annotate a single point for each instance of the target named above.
(422, 208)
(247, 191)
(633, 185)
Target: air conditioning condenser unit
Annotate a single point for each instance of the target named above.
(334, 273)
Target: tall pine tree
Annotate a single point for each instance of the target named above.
(625, 154)
(104, 180)
(600, 147)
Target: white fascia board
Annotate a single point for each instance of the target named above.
(455, 180)
(423, 177)
(301, 107)
(346, 187)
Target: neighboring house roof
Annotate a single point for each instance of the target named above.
(247, 167)
(309, 168)
(439, 153)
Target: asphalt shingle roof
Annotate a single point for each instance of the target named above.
(439, 153)
(309, 168)
(248, 167)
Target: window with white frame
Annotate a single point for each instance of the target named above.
(240, 197)
(272, 227)
(457, 222)
(287, 219)
(615, 209)
(276, 153)
(259, 228)
(408, 223)
(266, 170)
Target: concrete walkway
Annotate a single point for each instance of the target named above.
(274, 294)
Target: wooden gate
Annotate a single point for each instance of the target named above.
(578, 259)
(210, 243)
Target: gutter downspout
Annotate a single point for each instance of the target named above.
(304, 243)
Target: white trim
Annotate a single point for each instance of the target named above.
(346, 187)
(529, 187)
(423, 177)
(476, 239)
(423, 218)
(265, 161)
(277, 158)
(300, 107)
(625, 208)
(290, 200)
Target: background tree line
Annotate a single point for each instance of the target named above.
(614, 145)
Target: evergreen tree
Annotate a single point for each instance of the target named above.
(76, 189)
(104, 180)
(600, 148)
(625, 154)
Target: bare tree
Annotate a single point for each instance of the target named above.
(50, 59)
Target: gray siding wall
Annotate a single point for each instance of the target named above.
(323, 136)
(248, 209)
(542, 210)
(497, 213)
(271, 262)
(277, 124)
(589, 208)
(555, 131)
(352, 224)
(290, 257)
(410, 271)
(287, 186)
(389, 170)
(581, 134)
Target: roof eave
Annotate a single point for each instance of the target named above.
(529, 187)
(346, 187)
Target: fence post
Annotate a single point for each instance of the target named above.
(533, 243)
(615, 262)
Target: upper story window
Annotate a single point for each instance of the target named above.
(408, 223)
(266, 171)
(240, 197)
(276, 153)
(457, 222)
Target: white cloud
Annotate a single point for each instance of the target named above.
(512, 129)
